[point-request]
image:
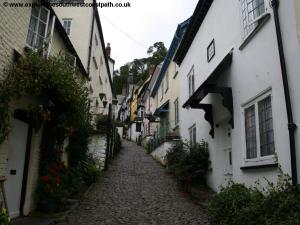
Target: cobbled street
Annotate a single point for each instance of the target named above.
(136, 190)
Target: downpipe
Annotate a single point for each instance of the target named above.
(291, 125)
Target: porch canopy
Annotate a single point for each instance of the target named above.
(210, 86)
(164, 108)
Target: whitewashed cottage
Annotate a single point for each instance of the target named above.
(239, 62)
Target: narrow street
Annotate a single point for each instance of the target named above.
(134, 191)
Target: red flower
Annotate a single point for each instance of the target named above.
(54, 166)
(57, 180)
(45, 178)
(53, 171)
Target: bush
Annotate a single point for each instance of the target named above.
(237, 204)
(52, 187)
(91, 171)
(189, 163)
(4, 218)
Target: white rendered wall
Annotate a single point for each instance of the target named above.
(289, 13)
(253, 70)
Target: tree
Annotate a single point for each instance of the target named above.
(120, 81)
(139, 68)
(157, 53)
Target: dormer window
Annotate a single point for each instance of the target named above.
(38, 27)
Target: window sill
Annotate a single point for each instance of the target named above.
(261, 22)
(265, 162)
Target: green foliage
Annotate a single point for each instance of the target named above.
(78, 145)
(139, 68)
(102, 124)
(119, 82)
(51, 78)
(4, 218)
(81, 162)
(237, 204)
(189, 163)
(158, 52)
(52, 185)
(90, 171)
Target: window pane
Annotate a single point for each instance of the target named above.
(42, 29)
(190, 88)
(193, 84)
(33, 23)
(39, 42)
(250, 10)
(35, 11)
(250, 129)
(30, 38)
(44, 15)
(267, 146)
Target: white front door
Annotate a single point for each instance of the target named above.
(15, 166)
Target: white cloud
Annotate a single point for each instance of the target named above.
(146, 22)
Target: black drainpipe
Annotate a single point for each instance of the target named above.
(91, 42)
(291, 125)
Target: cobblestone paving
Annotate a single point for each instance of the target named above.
(136, 191)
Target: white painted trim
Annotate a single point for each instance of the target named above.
(259, 160)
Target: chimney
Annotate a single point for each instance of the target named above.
(108, 50)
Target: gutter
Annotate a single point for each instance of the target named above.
(291, 125)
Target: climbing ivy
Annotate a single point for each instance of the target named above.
(50, 78)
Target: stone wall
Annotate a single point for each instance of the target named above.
(160, 152)
(97, 148)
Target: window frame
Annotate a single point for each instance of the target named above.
(95, 62)
(247, 30)
(162, 91)
(167, 82)
(255, 101)
(193, 135)
(191, 81)
(176, 111)
(36, 29)
(67, 29)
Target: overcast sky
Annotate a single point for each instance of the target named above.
(132, 30)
